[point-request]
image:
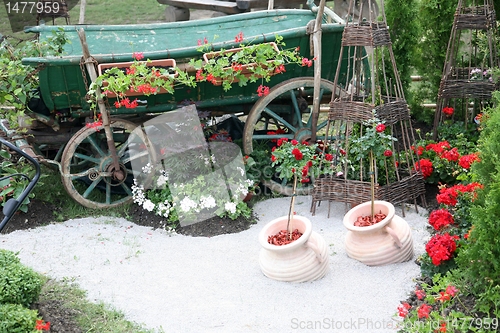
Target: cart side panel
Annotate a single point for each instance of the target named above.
(63, 88)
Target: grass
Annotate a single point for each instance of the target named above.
(90, 317)
(101, 12)
(50, 189)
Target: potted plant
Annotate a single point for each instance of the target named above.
(147, 77)
(291, 250)
(376, 236)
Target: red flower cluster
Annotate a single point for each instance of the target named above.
(205, 41)
(419, 150)
(441, 248)
(126, 103)
(420, 294)
(424, 165)
(41, 326)
(278, 131)
(307, 62)
(380, 128)
(305, 172)
(440, 218)
(467, 160)
(138, 56)
(262, 90)
(403, 309)
(448, 195)
(96, 123)
(280, 69)
(424, 310)
(146, 89)
(451, 155)
(448, 110)
(239, 37)
(297, 154)
(388, 153)
(438, 147)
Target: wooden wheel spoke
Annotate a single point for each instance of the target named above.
(296, 107)
(96, 145)
(280, 119)
(87, 158)
(91, 187)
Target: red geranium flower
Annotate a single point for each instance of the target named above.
(420, 293)
(425, 166)
(467, 160)
(262, 90)
(441, 248)
(380, 128)
(403, 309)
(451, 155)
(440, 218)
(448, 110)
(423, 311)
(297, 154)
(388, 153)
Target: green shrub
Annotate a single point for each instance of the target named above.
(481, 256)
(8, 258)
(19, 284)
(14, 318)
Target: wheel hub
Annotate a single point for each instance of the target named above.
(117, 176)
(304, 134)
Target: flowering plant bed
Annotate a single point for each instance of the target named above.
(251, 62)
(120, 73)
(245, 64)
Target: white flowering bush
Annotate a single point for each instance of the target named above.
(191, 200)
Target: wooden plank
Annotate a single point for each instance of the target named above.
(248, 4)
(219, 6)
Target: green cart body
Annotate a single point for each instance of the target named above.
(87, 155)
(63, 87)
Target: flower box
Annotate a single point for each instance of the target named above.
(245, 68)
(159, 64)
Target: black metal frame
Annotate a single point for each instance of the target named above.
(13, 204)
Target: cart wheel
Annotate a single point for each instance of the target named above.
(87, 166)
(287, 111)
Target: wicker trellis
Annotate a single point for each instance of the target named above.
(374, 90)
(460, 87)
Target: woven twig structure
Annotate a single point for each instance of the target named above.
(374, 91)
(466, 83)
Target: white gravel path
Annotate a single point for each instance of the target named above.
(192, 284)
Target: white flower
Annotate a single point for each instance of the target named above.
(230, 207)
(241, 171)
(147, 168)
(148, 205)
(207, 202)
(163, 209)
(161, 181)
(138, 193)
(187, 204)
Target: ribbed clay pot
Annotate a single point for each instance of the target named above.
(386, 242)
(305, 259)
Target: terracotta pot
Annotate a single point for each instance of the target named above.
(305, 259)
(387, 242)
